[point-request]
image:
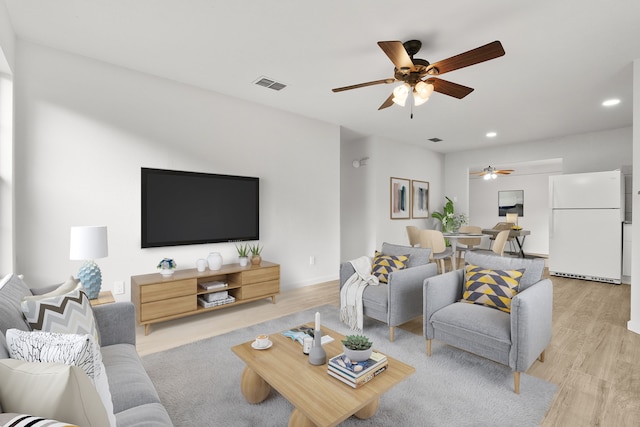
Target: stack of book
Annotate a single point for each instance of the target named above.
(357, 374)
(216, 284)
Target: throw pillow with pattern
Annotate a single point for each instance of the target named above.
(383, 265)
(491, 288)
(70, 313)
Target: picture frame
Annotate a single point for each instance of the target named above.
(400, 196)
(419, 199)
(511, 201)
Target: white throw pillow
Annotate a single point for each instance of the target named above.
(70, 313)
(52, 390)
(70, 349)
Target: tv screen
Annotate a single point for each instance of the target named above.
(187, 208)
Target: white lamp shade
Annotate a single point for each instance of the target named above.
(400, 94)
(512, 217)
(88, 243)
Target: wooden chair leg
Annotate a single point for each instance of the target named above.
(428, 347)
(392, 333)
(541, 357)
(516, 382)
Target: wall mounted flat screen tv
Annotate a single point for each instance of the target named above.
(187, 208)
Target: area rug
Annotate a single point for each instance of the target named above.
(199, 383)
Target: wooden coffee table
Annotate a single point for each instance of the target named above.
(319, 399)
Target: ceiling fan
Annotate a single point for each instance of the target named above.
(492, 173)
(417, 74)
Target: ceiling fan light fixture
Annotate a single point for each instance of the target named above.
(418, 100)
(424, 90)
(400, 94)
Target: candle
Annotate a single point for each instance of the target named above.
(317, 321)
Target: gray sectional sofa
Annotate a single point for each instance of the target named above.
(135, 400)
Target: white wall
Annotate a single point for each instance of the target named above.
(365, 211)
(83, 130)
(7, 41)
(6, 175)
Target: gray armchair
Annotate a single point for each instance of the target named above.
(400, 300)
(515, 339)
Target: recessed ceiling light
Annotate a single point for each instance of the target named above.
(611, 102)
(491, 134)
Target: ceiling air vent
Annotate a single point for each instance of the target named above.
(270, 83)
(436, 140)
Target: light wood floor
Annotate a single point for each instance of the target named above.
(593, 358)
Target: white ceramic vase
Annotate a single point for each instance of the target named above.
(166, 272)
(244, 261)
(215, 261)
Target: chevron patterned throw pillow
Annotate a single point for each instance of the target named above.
(385, 264)
(492, 288)
(70, 313)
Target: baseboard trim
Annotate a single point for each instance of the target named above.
(633, 326)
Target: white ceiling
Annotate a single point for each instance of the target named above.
(563, 58)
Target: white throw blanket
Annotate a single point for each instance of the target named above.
(351, 311)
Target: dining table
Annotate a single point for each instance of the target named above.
(454, 237)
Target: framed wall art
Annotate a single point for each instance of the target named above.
(400, 196)
(511, 202)
(419, 199)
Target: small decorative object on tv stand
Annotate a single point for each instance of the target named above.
(158, 298)
(166, 266)
(215, 261)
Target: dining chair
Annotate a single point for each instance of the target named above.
(434, 240)
(503, 226)
(414, 235)
(500, 242)
(469, 244)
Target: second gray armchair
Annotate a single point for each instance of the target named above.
(516, 338)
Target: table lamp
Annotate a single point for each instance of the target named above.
(512, 217)
(89, 243)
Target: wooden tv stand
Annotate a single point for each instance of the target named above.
(158, 298)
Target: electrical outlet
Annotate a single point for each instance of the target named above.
(118, 288)
(312, 260)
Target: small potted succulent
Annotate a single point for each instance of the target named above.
(243, 254)
(357, 347)
(256, 250)
(166, 266)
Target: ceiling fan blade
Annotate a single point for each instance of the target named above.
(479, 173)
(397, 54)
(387, 103)
(504, 171)
(475, 56)
(448, 88)
(375, 82)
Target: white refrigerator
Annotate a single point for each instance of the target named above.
(585, 225)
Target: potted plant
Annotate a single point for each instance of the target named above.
(357, 347)
(243, 254)
(256, 250)
(166, 266)
(450, 221)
